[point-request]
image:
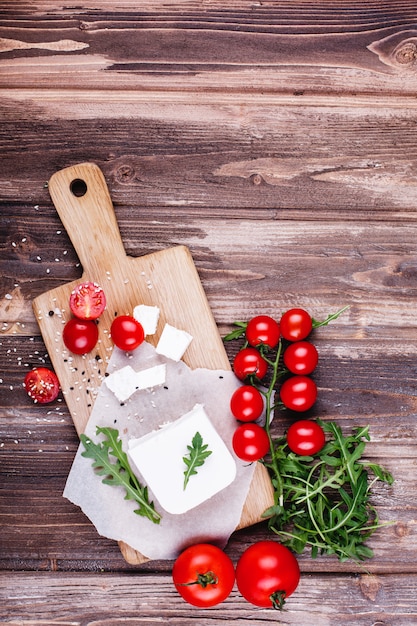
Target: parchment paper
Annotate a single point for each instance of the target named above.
(147, 410)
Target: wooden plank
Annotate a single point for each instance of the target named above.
(298, 49)
(26, 598)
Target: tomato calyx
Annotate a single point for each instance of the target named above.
(278, 600)
(209, 578)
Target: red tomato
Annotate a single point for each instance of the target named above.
(267, 573)
(42, 385)
(305, 437)
(80, 336)
(262, 329)
(87, 301)
(247, 403)
(301, 357)
(295, 324)
(249, 362)
(298, 393)
(250, 442)
(126, 332)
(203, 575)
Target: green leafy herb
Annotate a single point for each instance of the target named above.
(326, 499)
(111, 462)
(197, 455)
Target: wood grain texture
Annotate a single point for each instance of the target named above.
(275, 140)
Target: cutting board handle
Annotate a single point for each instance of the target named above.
(83, 202)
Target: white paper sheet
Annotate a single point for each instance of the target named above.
(146, 410)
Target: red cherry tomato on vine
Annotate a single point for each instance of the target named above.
(126, 332)
(301, 357)
(305, 437)
(87, 301)
(203, 575)
(42, 385)
(295, 324)
(250, 442)
(267, 573)
(247, 403)
(80, 336)
(249, 362)
(298, 393)
(262, 329)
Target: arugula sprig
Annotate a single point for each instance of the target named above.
(111, 462)
(197, 455)
(326, 499)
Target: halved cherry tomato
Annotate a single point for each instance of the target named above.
(87, 301)
(126, 332)
(267, 573)
(298, 393)
(301, 357)
(249, 362)
(80, 336)
(203, 575)
(262, 329)
(42, 385)
(247, 403)
(305, 437)
(250, 442)
(295, 324)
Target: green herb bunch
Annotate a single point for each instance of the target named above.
(326, 498)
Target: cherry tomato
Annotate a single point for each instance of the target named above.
(262, 329)
(267, 573)
(301, 357)
(126, 332)
(295, 324)
(250, 442)
(249, 361)
(203, 575)
(247, 403)
(87, 301)
(80, 336)
(298, 393)
(42, 385)
(305, 437)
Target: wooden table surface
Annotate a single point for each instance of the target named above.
(277, 140)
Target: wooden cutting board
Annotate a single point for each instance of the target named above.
(167, 279)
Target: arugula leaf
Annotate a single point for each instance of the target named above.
(111, 462)
(238, 332)
(197, 455)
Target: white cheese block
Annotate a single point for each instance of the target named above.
(125, 381)
(173, 342)
(158, 456)
(148, 317)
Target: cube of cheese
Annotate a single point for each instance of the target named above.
(122, 382)
(173, 342)
(158, 456)
(148, 316)
(125, 381)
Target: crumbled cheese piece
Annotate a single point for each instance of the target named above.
(125, 381)
(168, 446)
(173, 342)
(148, 316)
(151, 377)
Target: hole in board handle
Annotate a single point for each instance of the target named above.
(78, 187)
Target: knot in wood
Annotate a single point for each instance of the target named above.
(257, 179)
(406, 53)
(125, 173)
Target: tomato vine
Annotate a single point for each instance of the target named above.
(322, 500)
